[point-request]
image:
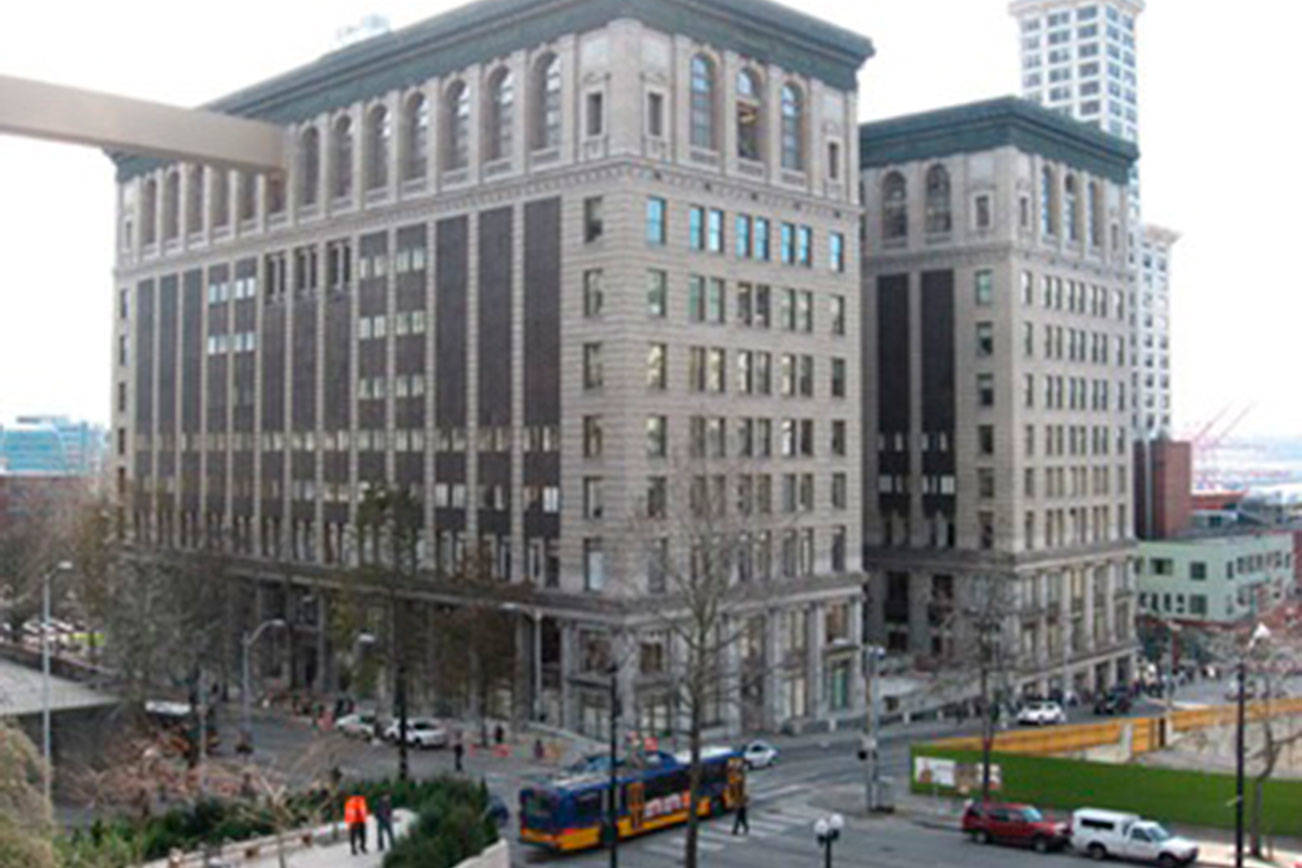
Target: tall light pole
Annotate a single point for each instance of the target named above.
(1260, 634)
(246, 643)
(873, 655)
(60, 567)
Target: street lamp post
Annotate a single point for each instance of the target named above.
(60, 567)
(827, 830)
(247, 642)
(1261, 633)
(613, 813)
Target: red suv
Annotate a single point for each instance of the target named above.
(1013, 824)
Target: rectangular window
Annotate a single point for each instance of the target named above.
(985, 390)
(762, 306)
(592, 445)
(657, 444)
(695, 298)
(592, 222)
(595, 120)
(742, 231)
(763, 373)
(836, 251)
(839, 489)
(805, 246)
(656, 366)
(984, 286)
(592, 297)
(838, 378)
(982, 209)
(985, 440)
(655, 114)
(657, 292)
(655, 220)
(714, 231)
(716, 305)
(594, 564)
(837, 310)
(761, 243)
(838, 437)
(593, 376)
(985, 339)
(787, 244)
(592, 497)
(696, 228)
(656, 496)
(985, 483)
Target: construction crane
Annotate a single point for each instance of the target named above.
(1205, 445)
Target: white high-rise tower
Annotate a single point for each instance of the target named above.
(1079, 57)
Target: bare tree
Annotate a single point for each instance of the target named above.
(977, 622)
(705, 533)
(1268, 662)
(26, 824)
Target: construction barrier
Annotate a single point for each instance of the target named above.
(1146, 733)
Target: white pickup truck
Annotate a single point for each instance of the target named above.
(1100, 834)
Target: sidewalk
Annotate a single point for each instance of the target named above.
(327, 854)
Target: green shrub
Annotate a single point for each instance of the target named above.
(451, 825)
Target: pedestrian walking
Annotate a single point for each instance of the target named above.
(355, 819)
(458, 750)
(383, 821)
(499, 734)
(739, 819)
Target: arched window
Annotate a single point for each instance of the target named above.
(1069, 204)
(378, 135)
(546, 126)
(500, 115)
(221, 197)
(1048, 219)
(703, 102)
(939, 215)
(416, 136)
(149, 211)
(341, 157)
(309, 166)
(895, 207)
(749, 105)
(793, 122)
(193, 198)
(248, 199)
(171, 204)
(1096, 214)
(456, 137)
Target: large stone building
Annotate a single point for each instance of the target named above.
(531, 259)
(996, 386)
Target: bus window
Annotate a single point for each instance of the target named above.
(539, 810)
(588, 808)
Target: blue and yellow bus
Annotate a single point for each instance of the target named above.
(569, 813)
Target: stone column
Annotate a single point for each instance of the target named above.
(772, 661)
(568, 668)
(730, 673)
(815, 640)
(919, 598)
(858, 687)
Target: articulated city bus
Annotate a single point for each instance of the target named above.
(569, 813)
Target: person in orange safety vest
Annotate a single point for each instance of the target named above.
(355, 818)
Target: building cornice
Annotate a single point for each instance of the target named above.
(991, 124)
(488, 29)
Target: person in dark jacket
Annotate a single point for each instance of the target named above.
(384, 820)
(739, 819)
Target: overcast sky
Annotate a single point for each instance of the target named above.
(1217, 132)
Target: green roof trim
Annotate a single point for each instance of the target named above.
(493, 28)
(983, 126)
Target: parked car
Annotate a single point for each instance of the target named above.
(359, 724)
(1099, 834)
(759, 754)
(1023, 825)
(1115, 701)
(1041, 713)
(424, 732)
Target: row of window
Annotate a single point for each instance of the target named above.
(752, 236)
(1060, 482)
(403, 323)
(707, 371)
(751, 494)
(1073, 526)
(1080, 345)
(1074, 296)
(1060, 393)
(236, 342)
(708, 437)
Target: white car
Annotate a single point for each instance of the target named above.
(759, 754)
(359, 725)
(424, 732)
(1100, 834)
(1041, 713)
